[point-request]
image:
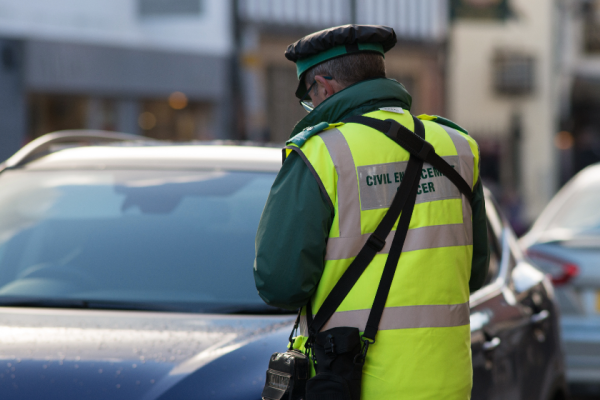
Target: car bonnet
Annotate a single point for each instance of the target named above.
(96, 354)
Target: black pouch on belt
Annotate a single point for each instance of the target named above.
(286, 376)
(287, 373)
(339, 366)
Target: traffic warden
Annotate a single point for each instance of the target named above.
(336, 184)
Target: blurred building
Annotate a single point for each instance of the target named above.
(269, 80)
(523, 76)
(189, 69)
(154, 67)
(506, 84)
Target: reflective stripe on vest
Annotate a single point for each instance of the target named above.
(406, 317)
(348, 199)
(426, 237)
(464, 152)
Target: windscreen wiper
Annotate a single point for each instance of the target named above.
(142, 306)
(255, 310)
(86, 304)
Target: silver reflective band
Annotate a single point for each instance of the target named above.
(464, 152)
(427, 237)
(347, 188)
(467, 162)
(407, 317)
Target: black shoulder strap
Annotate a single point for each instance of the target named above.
(416, 146)
(390, 267)
(391, 262)
(403, 201)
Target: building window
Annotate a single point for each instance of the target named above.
(480, 9)
(51, 113)
(591, 26)
(158, 119)
(514, 74)
(151, 8)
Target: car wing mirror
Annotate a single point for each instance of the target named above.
(525, 276)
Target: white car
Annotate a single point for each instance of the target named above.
(565, 243)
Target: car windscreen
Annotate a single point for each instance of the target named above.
(180, 240)
(580, 211)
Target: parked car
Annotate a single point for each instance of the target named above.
(126, 273)
(565, 243)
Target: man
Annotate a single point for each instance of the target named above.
(335, 186)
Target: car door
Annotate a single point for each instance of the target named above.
(494, 320)
(509, 322)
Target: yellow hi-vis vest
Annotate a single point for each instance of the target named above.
(423, 347)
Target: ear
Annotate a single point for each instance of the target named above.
(325, 86)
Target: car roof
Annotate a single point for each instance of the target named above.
(161, 156)
(97, 149)
(582, 181)
(589, 174)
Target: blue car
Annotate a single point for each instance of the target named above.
(126, 273)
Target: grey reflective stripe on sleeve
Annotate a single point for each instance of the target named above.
(467, 161)
(347, 186)
(464, 153)
(427, 237)
(406, 317)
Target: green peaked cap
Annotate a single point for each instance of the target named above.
(335, 42)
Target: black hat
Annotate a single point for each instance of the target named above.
(336, 42)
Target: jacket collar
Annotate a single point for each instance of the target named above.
(357, 99)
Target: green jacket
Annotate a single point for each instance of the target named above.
(295, 224)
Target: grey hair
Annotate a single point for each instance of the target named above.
(349, 69)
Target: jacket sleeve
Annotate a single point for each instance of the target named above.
(481, 250)
(292, 237)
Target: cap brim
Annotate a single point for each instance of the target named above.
(301, 90)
